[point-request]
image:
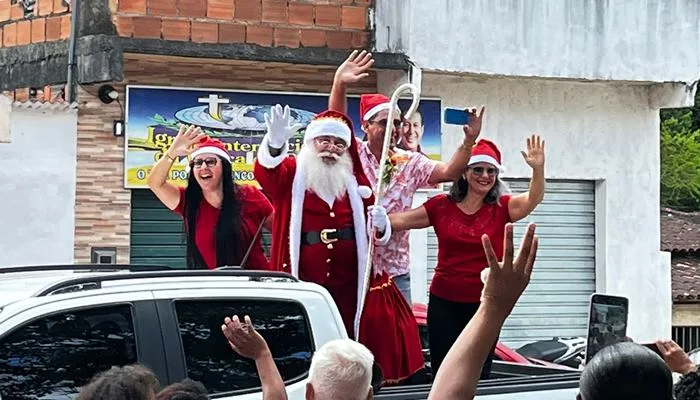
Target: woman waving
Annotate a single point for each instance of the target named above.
(477, 204)
(223, 220)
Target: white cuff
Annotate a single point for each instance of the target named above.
(384, 240)
(266, 159)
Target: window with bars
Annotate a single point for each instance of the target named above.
(688, 337)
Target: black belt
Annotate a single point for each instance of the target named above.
(328, 236)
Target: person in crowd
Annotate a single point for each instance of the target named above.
(247, 342)
(223, 220)
(626, 370)
(477, 204)
(459, 375)
(130, 382)
(408, 172)
(320, 233)
(340, 370)
(187, 389)
(688, 386)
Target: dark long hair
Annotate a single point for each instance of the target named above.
(228, 227)
(460, 188)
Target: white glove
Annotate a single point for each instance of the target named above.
(379, 218)
(279, 126)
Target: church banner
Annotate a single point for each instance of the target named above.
(154, 114)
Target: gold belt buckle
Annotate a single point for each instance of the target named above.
(324, 236)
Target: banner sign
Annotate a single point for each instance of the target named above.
(154, 114)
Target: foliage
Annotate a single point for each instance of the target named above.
(680, 160)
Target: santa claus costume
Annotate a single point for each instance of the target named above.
(325, 242)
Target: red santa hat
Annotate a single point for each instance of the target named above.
(337, 124)
(372, 104)
(486, 151)
(211, 146)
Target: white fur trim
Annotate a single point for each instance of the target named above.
(376, 109)
(361, 244)
(266, 159)
(211, 150)
(328, 127)
(484, 158)
(298, 194)
(364, 191)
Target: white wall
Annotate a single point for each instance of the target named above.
(631, 40)
(593, 131)
(37, 188)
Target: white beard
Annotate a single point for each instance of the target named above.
(328, 181)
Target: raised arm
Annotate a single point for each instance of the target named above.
(448, 172)
(521, 205)
(350, 71)
(504, 285)
(247, 342)
(157, 179)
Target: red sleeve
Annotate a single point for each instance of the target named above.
(432, 207)
(503, 203)
(180, 209)
(275, 181)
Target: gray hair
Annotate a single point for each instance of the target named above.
(341, 370)
(460, 188)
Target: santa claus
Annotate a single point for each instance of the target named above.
(320, 232)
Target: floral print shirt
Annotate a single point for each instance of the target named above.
(411, 171)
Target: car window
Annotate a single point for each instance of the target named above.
(210, 359)
(52, 357)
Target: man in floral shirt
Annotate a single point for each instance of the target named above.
(408, 171)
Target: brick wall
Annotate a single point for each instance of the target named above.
(102, 204)
(49, 22)
(337, 24)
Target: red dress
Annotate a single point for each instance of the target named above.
(255, 208)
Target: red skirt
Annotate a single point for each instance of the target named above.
(389, 330)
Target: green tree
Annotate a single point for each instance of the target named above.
(680, 161)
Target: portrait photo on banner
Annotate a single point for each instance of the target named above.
(154, 115)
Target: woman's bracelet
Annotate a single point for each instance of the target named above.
(172, 159)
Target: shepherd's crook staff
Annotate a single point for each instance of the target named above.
(379, 187)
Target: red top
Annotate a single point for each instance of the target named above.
(255, 207)
(461, 256)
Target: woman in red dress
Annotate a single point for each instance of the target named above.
(221, 218)
(476, 205)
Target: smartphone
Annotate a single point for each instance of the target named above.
(607, 322)
(456, 116)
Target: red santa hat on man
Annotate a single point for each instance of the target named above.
(208, 145)
(336, 124)
(373, 104)
(486, 151)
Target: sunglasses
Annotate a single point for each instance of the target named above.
(382, 123)
(210, 161)
(480, 171)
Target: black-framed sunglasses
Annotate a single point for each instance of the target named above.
(209, 161)
(382, 123)
(480, 170)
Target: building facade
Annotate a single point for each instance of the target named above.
(589, 77)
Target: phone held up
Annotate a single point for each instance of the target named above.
(456, 116)
(607, 322)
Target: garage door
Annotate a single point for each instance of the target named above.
(556, 301)
(156, 232)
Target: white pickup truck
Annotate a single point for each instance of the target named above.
(60, 325)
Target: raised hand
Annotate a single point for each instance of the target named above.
(473, 128)
(280, 127)
(355, 67)
(186, 138)
(378, 217)
(243, 338)
(507, 280)
(676, 359)
(534, 156)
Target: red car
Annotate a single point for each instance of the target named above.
(503, 352)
